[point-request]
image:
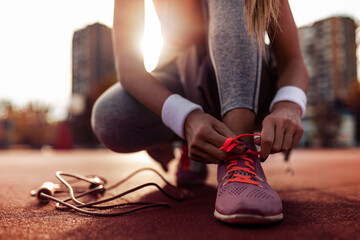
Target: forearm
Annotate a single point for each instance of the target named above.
(286, 46)
(143, 87)
(282, 128)
(294, 73)
(291, 68)
(128, 27)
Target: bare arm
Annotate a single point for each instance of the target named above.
(128, 27)
(285, 43)
(282, 128)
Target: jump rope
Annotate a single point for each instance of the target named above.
(97, 186)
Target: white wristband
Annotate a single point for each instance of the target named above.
(174, 112)
(291, 94)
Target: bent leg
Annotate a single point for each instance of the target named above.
(237, 63)
(124, 125)
(235, 57)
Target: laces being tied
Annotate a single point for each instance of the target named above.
(245, 174)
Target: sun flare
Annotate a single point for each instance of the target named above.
(152, 41)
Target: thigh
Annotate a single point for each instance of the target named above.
(123, 124)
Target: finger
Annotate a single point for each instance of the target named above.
(223, 134)
(297, 136)
(288, 139)
(200, 156)
(216, 139)
(223, 130)
(267, 138)
(213, 151)
(278, 139)
(257, 141)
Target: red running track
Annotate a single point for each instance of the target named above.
(321, 201)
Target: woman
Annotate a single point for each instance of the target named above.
(207, 94)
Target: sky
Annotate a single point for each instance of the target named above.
(36, 38)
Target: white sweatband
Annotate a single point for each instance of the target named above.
(174, 112)
(291, 94)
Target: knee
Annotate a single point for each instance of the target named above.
(100, 122)
(109, 126)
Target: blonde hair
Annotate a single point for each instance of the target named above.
(260, 15)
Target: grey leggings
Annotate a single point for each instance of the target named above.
(221, 75)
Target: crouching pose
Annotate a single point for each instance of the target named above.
(205, 91)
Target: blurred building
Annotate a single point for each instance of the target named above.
(92, 58)
(93, 71)
(329, 50)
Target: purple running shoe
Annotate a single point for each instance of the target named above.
(189, 171)
(244, 196)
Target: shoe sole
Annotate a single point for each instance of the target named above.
(248, 218)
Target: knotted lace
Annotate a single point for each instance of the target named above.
(232, 162)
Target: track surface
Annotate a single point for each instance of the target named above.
(321, 201)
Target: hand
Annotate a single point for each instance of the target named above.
(281, 129)
(205, 135)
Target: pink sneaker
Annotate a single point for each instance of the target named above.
(190, 172)
(244, 196)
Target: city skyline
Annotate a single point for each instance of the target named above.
(36, 52)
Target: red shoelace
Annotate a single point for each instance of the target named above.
(232, 161)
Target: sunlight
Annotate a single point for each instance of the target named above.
(152, 41)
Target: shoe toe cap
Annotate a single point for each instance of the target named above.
(247, 199)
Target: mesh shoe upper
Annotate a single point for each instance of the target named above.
(243, 189)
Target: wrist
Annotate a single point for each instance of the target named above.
(290, 94)
(289, 105)
(175, 111)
